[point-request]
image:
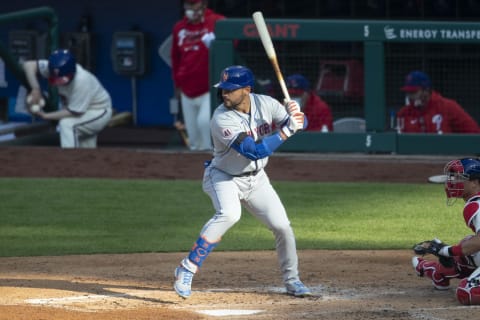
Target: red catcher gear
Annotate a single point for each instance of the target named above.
(468, 290)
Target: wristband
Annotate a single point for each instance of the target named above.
(455, 251)
(287, 131)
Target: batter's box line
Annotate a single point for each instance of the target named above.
(90, 297)
(73, 299)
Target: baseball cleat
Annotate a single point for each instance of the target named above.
(183, 282)
(298, 289)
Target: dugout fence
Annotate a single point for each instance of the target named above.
(358, 66)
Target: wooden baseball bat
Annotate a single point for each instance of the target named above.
(270, 50)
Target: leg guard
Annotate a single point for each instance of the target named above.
(468, 291)
(200, 251)
(439, 274)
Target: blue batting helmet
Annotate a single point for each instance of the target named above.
(235, 77)
(61, 67)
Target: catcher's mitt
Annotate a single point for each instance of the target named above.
(428, 247)
(433, 247)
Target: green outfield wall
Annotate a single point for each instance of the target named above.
(374, 35)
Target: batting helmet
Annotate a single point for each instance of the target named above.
(457, 172)
(235, 77)
(61, 67)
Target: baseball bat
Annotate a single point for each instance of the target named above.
(270, 50)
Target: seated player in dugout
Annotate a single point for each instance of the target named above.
(86, 107)
(316, 110)
(429, 112)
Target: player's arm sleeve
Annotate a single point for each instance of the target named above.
(247, 147)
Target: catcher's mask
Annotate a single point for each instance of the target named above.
(457, 172)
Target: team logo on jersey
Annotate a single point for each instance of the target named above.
(227, 133)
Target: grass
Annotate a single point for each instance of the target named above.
(84, 216)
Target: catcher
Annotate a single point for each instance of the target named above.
(461, 260)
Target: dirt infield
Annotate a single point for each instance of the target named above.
(234, 285)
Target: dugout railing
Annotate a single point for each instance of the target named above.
(426, 43)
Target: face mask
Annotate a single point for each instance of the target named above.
(193, 14)
(416, 101)
(190, 14)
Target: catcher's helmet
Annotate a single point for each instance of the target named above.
(457, 172)
(236, 77)
(61, 67)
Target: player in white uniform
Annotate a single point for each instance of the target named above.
(461, 260)
(243, 135)
(87, 106)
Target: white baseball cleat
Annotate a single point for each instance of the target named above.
(183, 282)
(298, 289)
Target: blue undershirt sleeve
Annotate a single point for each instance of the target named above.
(246, 146)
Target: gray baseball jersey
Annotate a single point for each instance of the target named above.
(266, 114)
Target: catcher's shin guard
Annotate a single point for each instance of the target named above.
(439, 274)
(468, 290)
(200, 251)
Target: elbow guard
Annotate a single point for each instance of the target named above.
(246, 146)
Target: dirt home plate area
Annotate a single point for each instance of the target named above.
(232, 285)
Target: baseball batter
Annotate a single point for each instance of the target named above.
(242, 130)
(87, 106)
(461, 260)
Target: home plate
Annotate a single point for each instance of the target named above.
(228, 312)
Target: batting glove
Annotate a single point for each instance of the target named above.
(294, 124)
(292, 107)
